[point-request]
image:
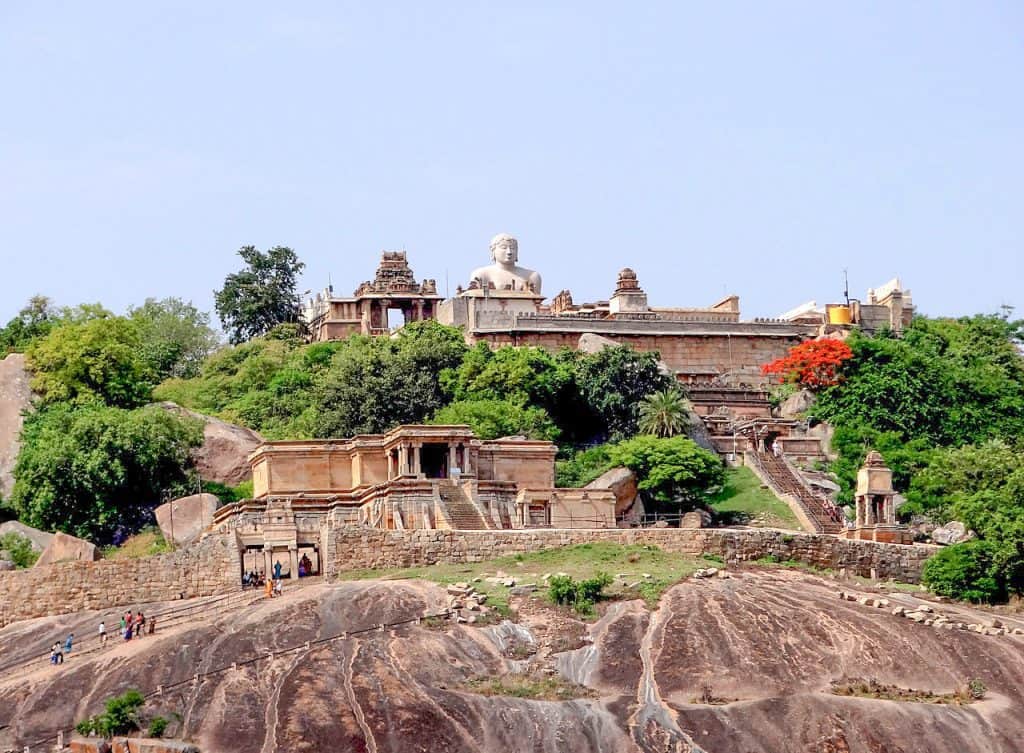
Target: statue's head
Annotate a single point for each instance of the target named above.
(504, 249)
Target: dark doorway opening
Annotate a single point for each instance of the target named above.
(434, 460)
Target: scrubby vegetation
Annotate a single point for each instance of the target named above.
(120, 717)
(19, 548)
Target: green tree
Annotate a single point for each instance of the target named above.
(96, 471)
(664, 413)
(613, 382)
(32, 323)
(262, 295)
(94, 359)
(375, 384)
(175, 336)
(673, 471)
(491, 419)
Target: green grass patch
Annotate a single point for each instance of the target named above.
(626, 564)
(145, 543)
(744, 501)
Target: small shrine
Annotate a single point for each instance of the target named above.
(876, 507)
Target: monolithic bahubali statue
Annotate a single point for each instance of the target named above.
(503, 274)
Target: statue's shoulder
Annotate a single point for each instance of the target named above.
(481, 273)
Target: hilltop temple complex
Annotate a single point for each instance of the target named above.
(503, 304)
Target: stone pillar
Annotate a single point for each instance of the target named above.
(293, 561)
(453, 460)
(268, 562)
(391, 465)
(416, 469)
(403, 460)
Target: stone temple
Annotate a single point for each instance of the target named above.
(412, 477)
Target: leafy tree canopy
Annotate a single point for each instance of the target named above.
(613, 382)
(262, 295)
(491, 419)
(674, 471)
(175, 336)
(96, 471)
(32, 323)
(91, 358)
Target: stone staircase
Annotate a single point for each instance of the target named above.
(462, 514)
(826, 519)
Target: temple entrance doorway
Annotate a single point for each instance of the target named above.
(769, 441)
(309, 560)
(434, 460)
(253, 560)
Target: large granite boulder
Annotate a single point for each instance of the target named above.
(797, 404)
(953, 532)
(622, 483)
(40, 539)
(64, 548)
(15, 399)
(224, 454)
(183, 520)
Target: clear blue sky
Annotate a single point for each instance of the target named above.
(754, 148)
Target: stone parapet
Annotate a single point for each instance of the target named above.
(356, 548)
(209, 567)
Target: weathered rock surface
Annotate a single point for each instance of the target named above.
(797, 404)
(766, 644)
(65, 548)
(223, 456)
(622, 483)
(15, 398)
(952, 533)
(40, 539)
(182, 520)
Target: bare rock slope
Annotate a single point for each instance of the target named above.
(15, 397)
(224, 455)
(766, 644)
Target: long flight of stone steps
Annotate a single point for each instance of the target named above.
(462, 513)
(826, 519)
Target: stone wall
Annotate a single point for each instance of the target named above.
(355, 548)
(208, 567)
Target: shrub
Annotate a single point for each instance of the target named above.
(119, 718)
(20, 549)
(966, 571)
(580, 595)
(157, 726)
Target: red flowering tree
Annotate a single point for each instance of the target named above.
(813, 364)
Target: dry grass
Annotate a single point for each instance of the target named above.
(146, 543)
(533, 687)
(973, 690)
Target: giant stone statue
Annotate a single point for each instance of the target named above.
(504, 274)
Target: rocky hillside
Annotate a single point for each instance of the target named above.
(15, 397)
(723, 666)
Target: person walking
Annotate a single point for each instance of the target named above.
(103, 634)
(68, 642)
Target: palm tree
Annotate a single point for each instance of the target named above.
(665, 413)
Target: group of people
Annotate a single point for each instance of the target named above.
(253, 579)
(131, 626)
(58, 649)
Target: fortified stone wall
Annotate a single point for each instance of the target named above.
(209, 567)
(697, 353)
(355, 548)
